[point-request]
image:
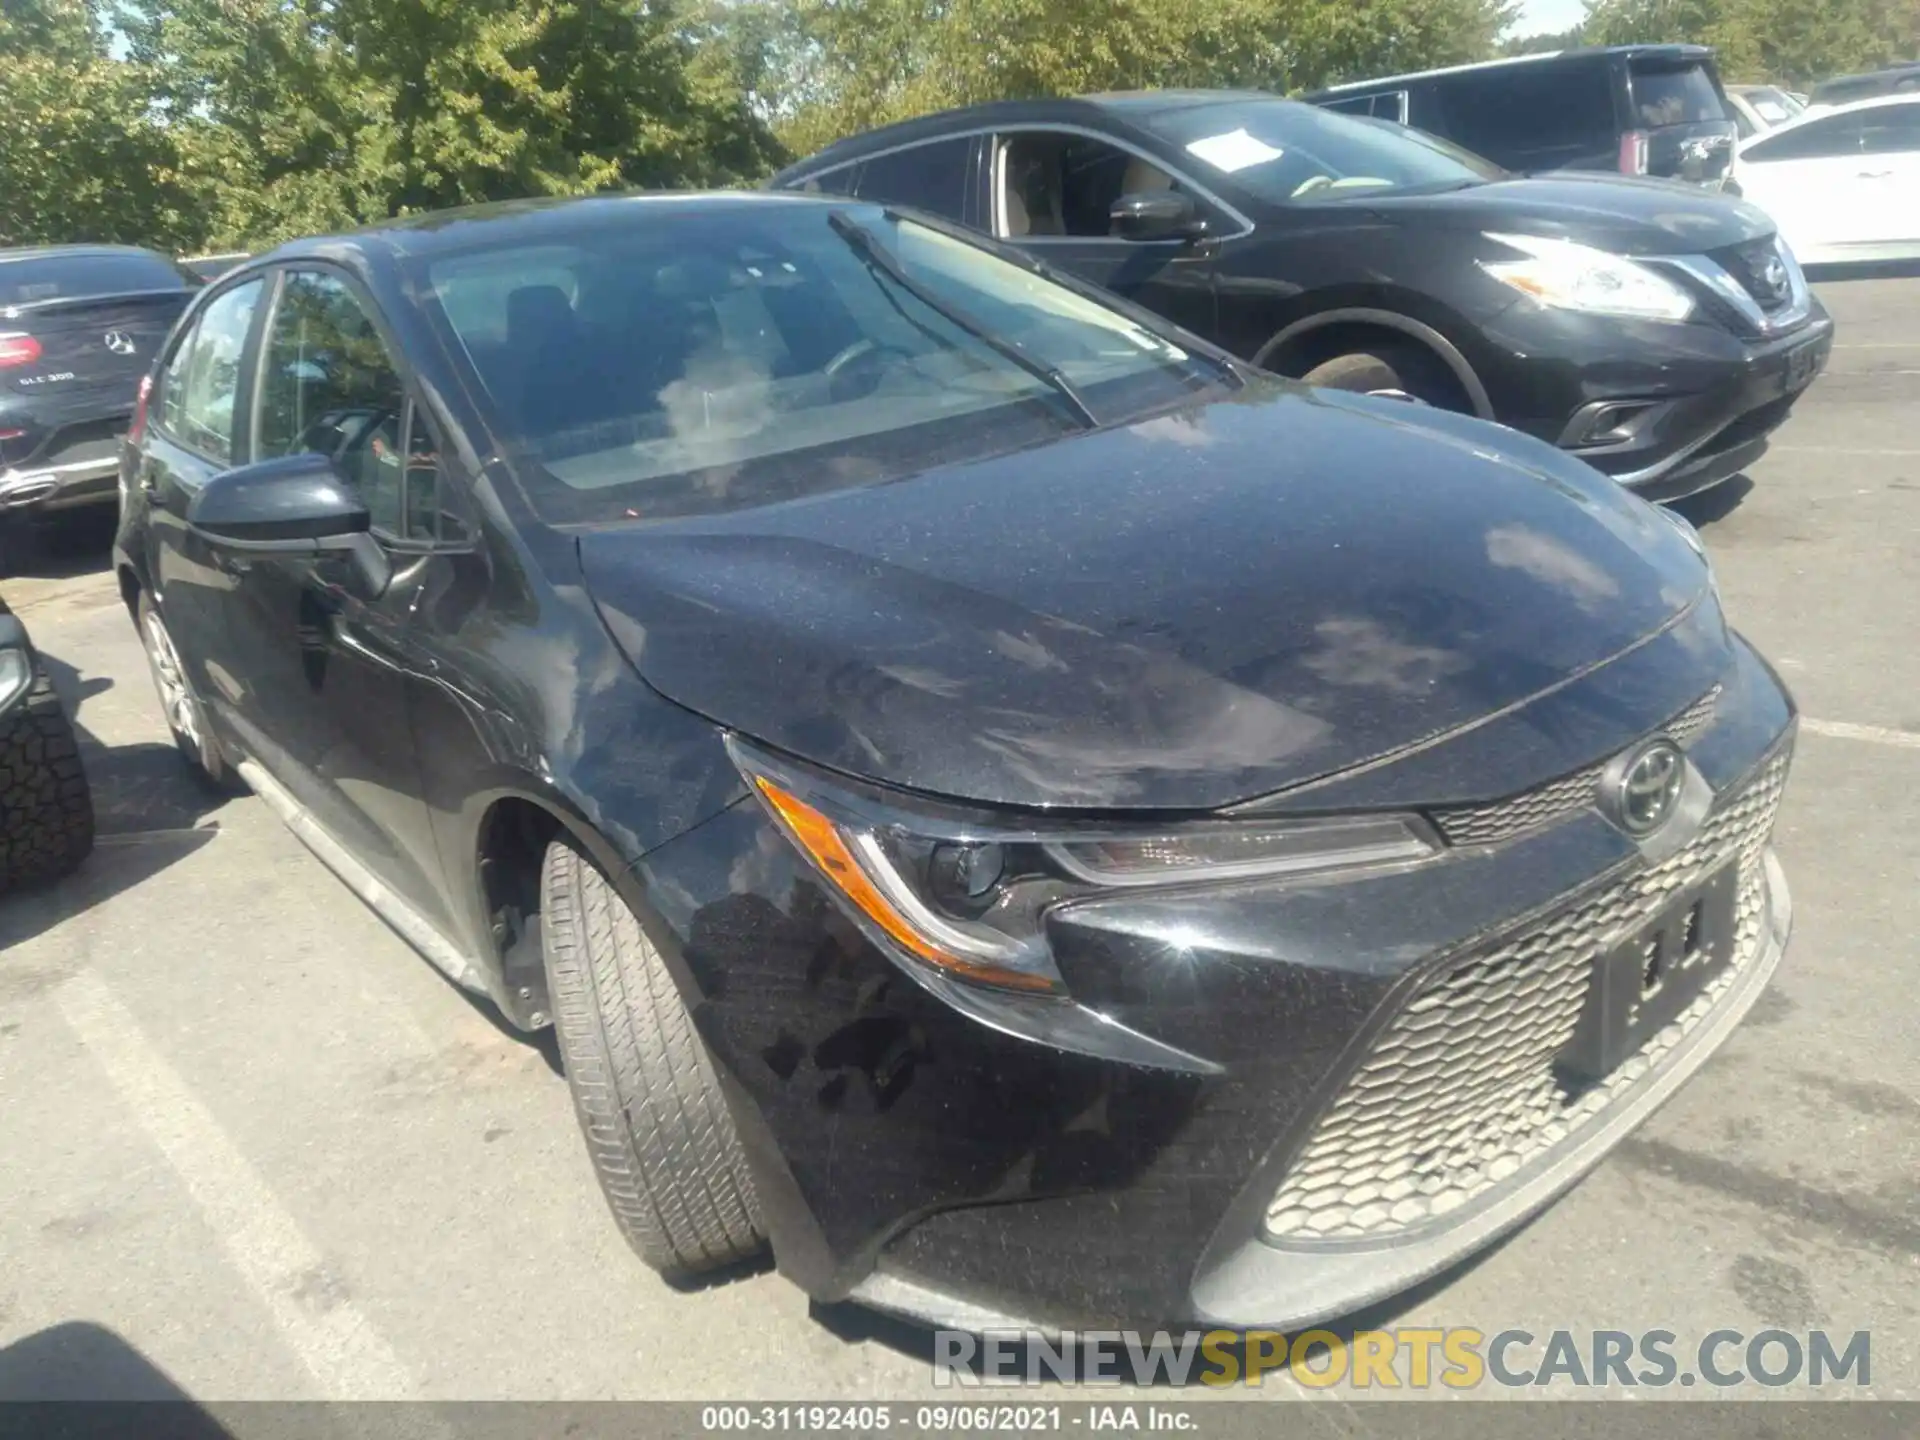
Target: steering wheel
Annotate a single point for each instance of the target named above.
(854, 373)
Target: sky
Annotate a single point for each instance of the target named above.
(1543, 17)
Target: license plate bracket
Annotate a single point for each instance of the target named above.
(1803, 365)
(1643, 981)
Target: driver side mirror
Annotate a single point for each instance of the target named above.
(1156, 215)
(293, 505)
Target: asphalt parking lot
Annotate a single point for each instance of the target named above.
(244, 1129)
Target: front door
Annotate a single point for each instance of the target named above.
(194, 431)
(327, 668)
(1053, 194)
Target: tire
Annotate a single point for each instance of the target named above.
(657, 1128)
(46, 807)
(185, 715)
(1397, 371)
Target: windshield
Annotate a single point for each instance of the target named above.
(1281, 151)
(701, 360)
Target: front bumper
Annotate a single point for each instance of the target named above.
(916, 1161)
(1666, 410)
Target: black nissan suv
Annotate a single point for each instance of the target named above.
(1658, 332)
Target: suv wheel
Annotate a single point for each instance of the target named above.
(1395, 372)
(657, 1127)
(186, 716)
(46, 809)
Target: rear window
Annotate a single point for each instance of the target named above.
(1665, 94)
(1532, 116)
(76, 277)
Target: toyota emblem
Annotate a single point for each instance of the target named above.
(1640, 790)
(119, 342)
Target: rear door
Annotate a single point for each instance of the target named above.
(1808, 178)
(1889, 176)
(1678, 104)
(81, 329)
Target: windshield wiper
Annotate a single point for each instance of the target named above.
(869, 248)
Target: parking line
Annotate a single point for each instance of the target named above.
(1837, 450)
(332, 1338)
(1873, 734)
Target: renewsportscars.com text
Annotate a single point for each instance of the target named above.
(1408, 1358)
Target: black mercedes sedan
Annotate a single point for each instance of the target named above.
(1659, 332)
(79, 326)
(1030, 817)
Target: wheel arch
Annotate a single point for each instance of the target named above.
(1298, 339)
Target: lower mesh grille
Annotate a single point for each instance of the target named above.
(1503, 819)
(1461, 1090)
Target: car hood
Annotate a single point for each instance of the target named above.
(1626, 215)
(1188, 611)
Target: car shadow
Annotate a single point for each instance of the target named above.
(73, 546)
(84, 1362)
(1864, 270)
(1710, 507)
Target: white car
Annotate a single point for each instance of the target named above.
(1757, 109)
(1842, 184)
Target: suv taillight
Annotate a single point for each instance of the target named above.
(1633, 153)
(138, 429)
(18, 349)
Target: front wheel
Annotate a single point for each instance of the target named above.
(186, 717)
(46, 807)
(658, 1130)
(1392, 372)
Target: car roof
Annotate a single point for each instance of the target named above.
(57, 252)
(1827, 112)
(1668, 52)
(1890, 73)
(519, 222)
(1132, 105)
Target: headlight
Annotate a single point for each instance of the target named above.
(16, 674)
(967, 894)
(1570, 276)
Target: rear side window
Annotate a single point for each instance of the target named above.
(1389, 105)
(202, 379)
(1666, 94)
(1890, 129)
(1815, 140)
(932, 177)
(75, 277)
(1532, 116)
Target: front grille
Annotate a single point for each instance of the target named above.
(1749, 264)
(1461, 1090)
(1501, 820)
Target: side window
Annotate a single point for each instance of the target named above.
(1060, 184)
(1532, 115)
(202, 380)
(1816, 140)
(328, 386)
(1359, 105)
(1890, 130)
(840, 181)
(932, 177)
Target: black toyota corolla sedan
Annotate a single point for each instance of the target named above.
(1659, 332)
(1029, 817)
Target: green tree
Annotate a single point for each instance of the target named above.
(82, 155)
(1800, 42)
(872, 61)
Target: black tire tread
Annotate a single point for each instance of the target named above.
(46, 806)
(657, 1128)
